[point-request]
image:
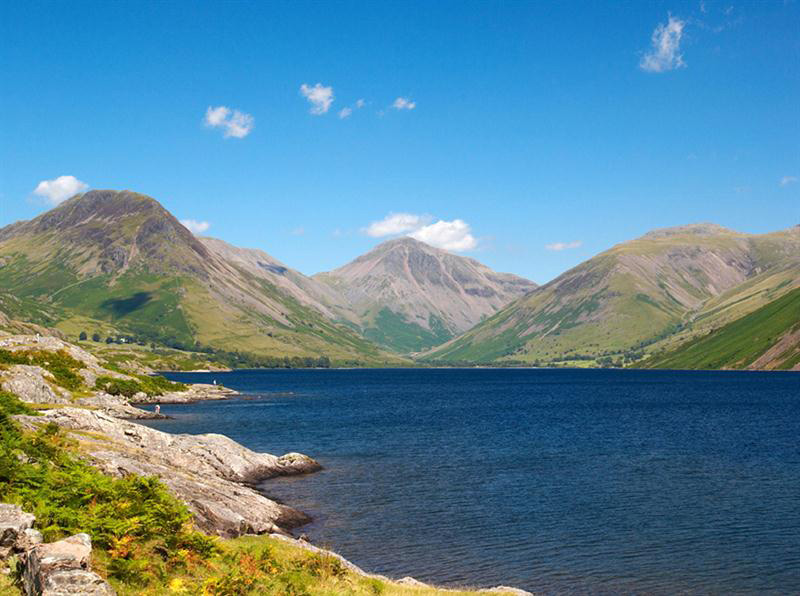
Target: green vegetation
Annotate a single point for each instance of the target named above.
(60, 364)
(135, 520)
(150, 385)
(143, 538)
(742, 342)
(391, 330)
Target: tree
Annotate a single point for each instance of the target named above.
(82, 336)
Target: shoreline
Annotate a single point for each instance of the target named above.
(305, 544)
(213, 475)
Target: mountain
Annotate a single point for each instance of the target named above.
(656, 292)
(119, 262)
(409, 296)
(767, 338)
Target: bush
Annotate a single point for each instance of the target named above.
(60, 364)
(152, 386)
(135, 519)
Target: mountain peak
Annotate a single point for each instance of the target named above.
(409, 295)
(99, 204)
(697, 229)
(116, 228)
(404, 241)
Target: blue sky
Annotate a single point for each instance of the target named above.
(527, 135)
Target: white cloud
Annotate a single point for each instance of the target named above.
(450, 235)
(787, 180)
(194, 226)
(59, 189)
(233, 123)
(558, 246)
(395, 224)
(346, 112)
(320, 97)
(453, 235)
(665, 53)
(403, 103)
(299, 231)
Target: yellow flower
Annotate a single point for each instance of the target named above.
(176, 586)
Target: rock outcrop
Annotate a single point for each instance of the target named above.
(208, 472)
(16, 530)
(92, 368)
(33, 384)
(116, 406)
(61, 568)
(48, 569)
(195, 392)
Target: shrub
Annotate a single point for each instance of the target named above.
(60, 364)
(152, 386)
(135, 519)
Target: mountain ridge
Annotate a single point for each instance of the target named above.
(409, 295)
(633, 296)
(119, 259)
(119, 262)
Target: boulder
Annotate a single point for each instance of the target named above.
(75, 582)
(208, 472)
(31, 384)
(14, 523)
(63, 567)
(116, 406)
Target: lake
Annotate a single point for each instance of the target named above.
(601, 481)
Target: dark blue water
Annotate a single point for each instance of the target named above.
(551, 480)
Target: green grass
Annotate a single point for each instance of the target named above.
(40, 472)
(60, 364)
(391, 330)
(740, 343)
(151, 386)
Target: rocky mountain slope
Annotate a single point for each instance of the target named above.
(410, 296)
(655, 292)
(766, 339)
(119, 262)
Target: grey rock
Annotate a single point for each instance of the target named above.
(208, 472)
(30, 383)
(62, 567)
(29, 539)
(508, 590)
(13, 524)
(72, 582)
(91, 370)
(195, 392)
(116, 406)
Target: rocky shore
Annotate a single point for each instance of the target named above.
(211, 473)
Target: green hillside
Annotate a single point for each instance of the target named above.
(768, 337)
(117, 263)
(651, 294)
